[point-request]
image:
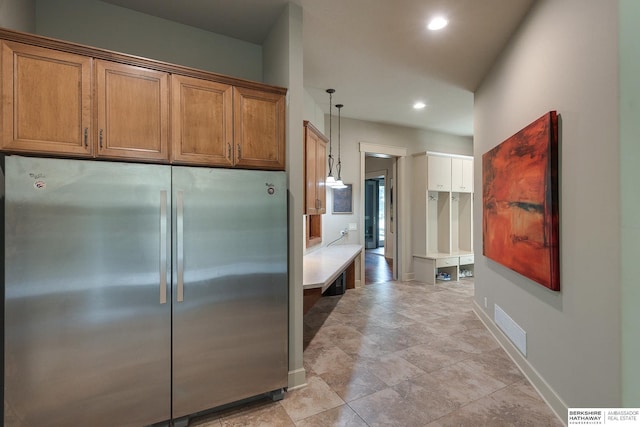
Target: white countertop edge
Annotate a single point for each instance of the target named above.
(322, 267)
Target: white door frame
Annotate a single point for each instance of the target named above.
(403, 242)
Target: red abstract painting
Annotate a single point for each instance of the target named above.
(520, 224)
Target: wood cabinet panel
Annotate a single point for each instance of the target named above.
(46, 100)
(201, 122)
(315, 170)
(65, 99)
(259, 132)
(321, 175)
(132, 112)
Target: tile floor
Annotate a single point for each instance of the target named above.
(399, 354)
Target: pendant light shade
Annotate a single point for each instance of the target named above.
(339, 183)
(330, 181)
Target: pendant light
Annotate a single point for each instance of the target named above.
(330, 181)
(339, 183)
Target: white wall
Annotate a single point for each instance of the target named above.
(283, 67)
(312, 111)
(106, 26)
(564, 58)
(629, 15)
(19, 15)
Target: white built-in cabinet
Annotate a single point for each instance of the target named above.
(438, 173)
(461, 175)
(442, 208)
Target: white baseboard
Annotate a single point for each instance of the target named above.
(297, 379)
(554, 401)
(408, 277)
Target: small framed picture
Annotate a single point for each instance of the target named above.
(343, 200)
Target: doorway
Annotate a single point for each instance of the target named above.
(374, 212)
(397, 240)
(378, 230)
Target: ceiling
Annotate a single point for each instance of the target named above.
(377, 54)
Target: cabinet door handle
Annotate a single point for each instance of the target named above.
(228, 150)
(239, 152)
(86, 137)
(100, 138)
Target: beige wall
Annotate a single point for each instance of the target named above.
(103, 25)
(564, 58)
(19, 15)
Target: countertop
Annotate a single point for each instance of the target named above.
(321, 267)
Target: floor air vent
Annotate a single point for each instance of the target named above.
(511, 329)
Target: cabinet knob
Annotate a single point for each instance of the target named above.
(100, 138)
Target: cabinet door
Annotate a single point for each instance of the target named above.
(311, 199)
(321, 175)
(259, 129)
(46, 98)
(201, 122)
(467, 175)
(462, 175)
(315, 170)
(439, 173)
(133, 112)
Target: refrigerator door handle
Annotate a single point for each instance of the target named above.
(180, 245)
(163, 247)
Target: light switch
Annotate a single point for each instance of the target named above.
(353, 226)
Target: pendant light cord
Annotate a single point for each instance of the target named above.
(330, 157)
(339, 168)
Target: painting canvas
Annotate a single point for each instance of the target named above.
(520, 224)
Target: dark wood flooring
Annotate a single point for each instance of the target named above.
(377, 268)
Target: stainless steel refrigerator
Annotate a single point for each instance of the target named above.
(135, 294)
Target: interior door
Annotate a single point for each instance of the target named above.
(371, 214)
(87, 335)
(230, 278)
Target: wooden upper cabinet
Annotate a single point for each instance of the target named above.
(46, 101)
(259, 129)
(315, 152)
(201, 122)
(63, 99)
(132, 112)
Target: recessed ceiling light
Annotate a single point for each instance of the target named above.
(437, 23)
(419, 105)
